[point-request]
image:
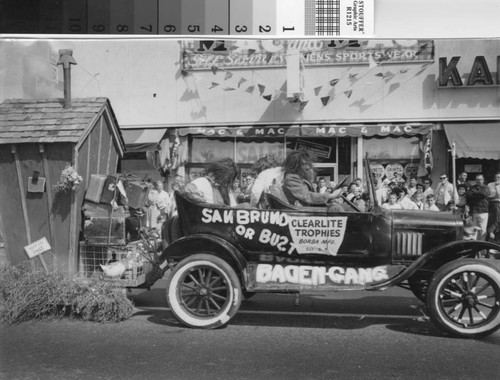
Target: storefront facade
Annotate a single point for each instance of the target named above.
(399, 101)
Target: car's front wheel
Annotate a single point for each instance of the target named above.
(463, 298)
(203, 291)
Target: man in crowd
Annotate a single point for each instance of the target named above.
(322, 188)
(445, 193)
(462, 180)
(477, 200)
(412, 186)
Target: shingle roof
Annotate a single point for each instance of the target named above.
(46, 121)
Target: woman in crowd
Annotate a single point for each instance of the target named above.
(215, 187)
(298, 180)
(428, 190)
(461, 205)
(403, 199)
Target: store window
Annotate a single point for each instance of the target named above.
(250, 150)
(205, 150)
(393, 154)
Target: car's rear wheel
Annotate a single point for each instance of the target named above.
(463, 298)
(203, 291)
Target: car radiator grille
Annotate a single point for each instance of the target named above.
(407, 245)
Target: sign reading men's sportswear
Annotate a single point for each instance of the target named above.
(228, 54)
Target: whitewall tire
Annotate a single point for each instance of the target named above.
(463, 298)
(203, 291)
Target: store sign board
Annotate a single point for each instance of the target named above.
(327, 130)
(479, 74)
(364, 130)
(316, 150)
(224, 54)
(476, 168)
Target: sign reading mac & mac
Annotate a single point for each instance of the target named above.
(478, 75)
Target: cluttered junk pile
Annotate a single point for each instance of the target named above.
(115, 244)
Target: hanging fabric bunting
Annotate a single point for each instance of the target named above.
(421, 49)
(250, 89)
(348, 93)
(184, 72)
(371, 62)
(317, 90)
(393, 87)
(303, 105)
(229, 89)
(380, 75)
(228, 75)
(215, 69)
(269, 56)
(251, 51)
(261, 89)
(352, 76)
(388, 74)
(426, 157)
(213, 85)
(325, 100)
(241, 81)
(402, 71)
(333, 82)
(268, 97)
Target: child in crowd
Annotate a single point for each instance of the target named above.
(418, 199)
(431, 203)
(392, 203)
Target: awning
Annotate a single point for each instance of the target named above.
(475, 140)
(317, 130)
(141, 140)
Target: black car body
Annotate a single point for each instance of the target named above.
(288, 249)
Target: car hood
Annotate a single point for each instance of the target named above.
(426, 219)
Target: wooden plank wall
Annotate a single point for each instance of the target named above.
(58, 155)
(10, 207)
(44, 217)
(36, 203)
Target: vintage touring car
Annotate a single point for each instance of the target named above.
(225, 254)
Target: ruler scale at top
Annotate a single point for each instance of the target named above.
(260, 18)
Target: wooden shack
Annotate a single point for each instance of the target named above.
(38, 139)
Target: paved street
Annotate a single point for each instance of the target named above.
(345, 336)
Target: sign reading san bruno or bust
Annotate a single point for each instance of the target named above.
(37, 247)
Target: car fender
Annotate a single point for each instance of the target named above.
(185, 246)
(438, 256)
